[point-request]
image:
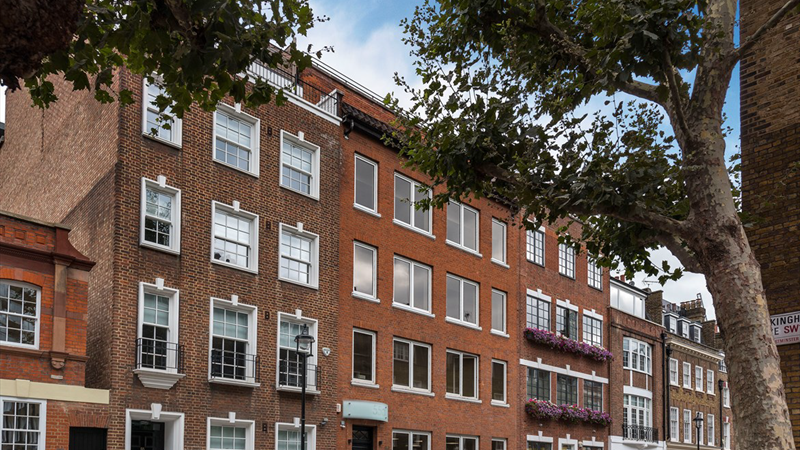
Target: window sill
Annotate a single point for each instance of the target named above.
(297, 390)
(238, 169)
(228, 382)
(166, 142)
(534, 262)
(233, 266)
(501, 263)
(711, 393)
(158, 379)
(412, 310)
(596, 288)
(415, 230)
(160, 248)
(310, 286)
(462, 399)
(406, 390)
(463, 324)
(365, 297)
(311, 196)
(462, 248)
(365, 384)
(500, 404)
(567, 276)
(500, 333)
(365, 210)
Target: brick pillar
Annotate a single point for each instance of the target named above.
(652, 306)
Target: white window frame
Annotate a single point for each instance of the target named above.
(687, 375)
(299, 231)
(531, 243)
(415, 185)
(710, 382)
(712, 430)
(673, 370)
(631, 409)
(173, 424)
(375, 166)
(503, 402)
(501, 441)
(697, 333)
(313, 326)
(462, 438)
(38, 318)
(236, 113)
(174, 307)
(300, 141)
(374, 338)
(459, 320)
(687, 426)
(460, 395)
(231, 421)
(590, 318)
(42, 445)
(566, 260)
(177, 123)
(252, 337)
(235, 210)
(410, 387)
(674, 425)
(504, 330)
(698, 379)
(571, 444)
(374, 250)
(594, 274)
(726, 435)
(410, 436)
(504, 228)
(533, 301)
(161, 187)
(631, 354)
(410, 306)
(461, 208)
(311, 433)
(685, 329)
(726, 396)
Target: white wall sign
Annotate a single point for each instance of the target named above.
(786, 328)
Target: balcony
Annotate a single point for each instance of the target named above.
(236, 368)
(290, 376)
(295, 86)
(158, 364)
(639, 433)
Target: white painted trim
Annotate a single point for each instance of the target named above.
(461, 208)
(315, 163)
(694, 348)
(563, 371)
(252, 331)
(567, 441)
(538, 294)
(42, 416)
(311, 434)
(477, 378)
(374, 251)
(406, 390)
(52, 391)
(314, 284)
(176, 128)
(409, 435)
(505, 382)
(299, 101)
(639, 392)
(504, 226)
(591, 313)
(458, 320)
(492, 329)
(410, 306)
(174, 422)
(410, 389)
(414, 185)
(539, 438)
(249, 425)
(313, 328)
(255, 225)
(38, 317)
(175, 236)
(375, 167)
(255, 123)
(566, 304)
(593, 443)
(367, 382)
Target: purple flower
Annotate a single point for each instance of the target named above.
(566, 345)
(547, 410)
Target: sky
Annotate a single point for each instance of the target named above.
(367, 47)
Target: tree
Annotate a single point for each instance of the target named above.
(193, 48)
(500, 114)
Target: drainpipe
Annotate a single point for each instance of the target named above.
(667, 352)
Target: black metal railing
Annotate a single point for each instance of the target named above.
(230, 365)
(290, 374)
(158, 355)
(292, 82)
(640, 433)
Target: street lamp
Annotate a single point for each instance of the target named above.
(304, 341)
(698, 422)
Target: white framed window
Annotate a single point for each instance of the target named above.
(160, 222)
(726, 396)
(412, 285)
(499, 239)
(299, 256)
(462, 301)
(499, 382)
(637, 411)
(673, 371)
(288, 436)
(726, 435)
(365, 271)
(687, 426)
(363, 356)
(538, 312)
(696, 333)
(710, 382)
(595, 274)
(674, 429)
(592, 330)
(24, 423)
(410, 440)
(499, 311)
(700, 429)
(567, 444)
(499, 444)
(671, 324)
(463, 226)
(158, 354)
(223, 434)
(236, 139)
(160, 126)
(455, 442)
(366, 184)
(462, 375)
(687, 375)
(411, 365)
(20, 313)
(299, 165)
(698, 378)
(290, 361)
(711, 430)
(234, 242)
(566, 322)
(566, 260)
(232, 359)
(407, 193)
(539, 443)
(684, 325)
(636, 355)
(534, 243)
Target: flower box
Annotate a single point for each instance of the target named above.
(547, 410)
(567, 345)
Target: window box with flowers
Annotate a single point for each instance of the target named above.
(547, 410)
(566, 345)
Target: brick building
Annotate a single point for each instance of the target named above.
(696, 377)
(770, 129)
(43, 318)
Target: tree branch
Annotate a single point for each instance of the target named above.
(768, 25)
(676, 246)
(672, 82)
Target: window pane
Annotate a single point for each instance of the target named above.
(470, 229)
(498, 241)
(452, 443)
(454, 222)
(402, 205)
(470, 303)
(421, 216)
(400, 441)
(469, 375)
(470, 444)
(453, 373)
(498, 381)
(498, 311)
(402, 282)
(421, 367)
(363, 270)
(421, 287)
(365, 179)
(419, 442)
(453, 298)
(362, 356)
(401, 368)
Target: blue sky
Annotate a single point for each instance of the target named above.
(366, 38)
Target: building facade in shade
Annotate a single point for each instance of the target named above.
(216, 242)
(43, 303)
(770, 130)
(696, 378)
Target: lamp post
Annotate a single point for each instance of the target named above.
(304, 342)
(698, 422)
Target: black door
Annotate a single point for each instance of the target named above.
(362, 438)
(87, 438)
(146, 435)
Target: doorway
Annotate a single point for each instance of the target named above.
(81, 438)
(362, 438)
(147, 435)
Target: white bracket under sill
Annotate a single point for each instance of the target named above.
(158, 379)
